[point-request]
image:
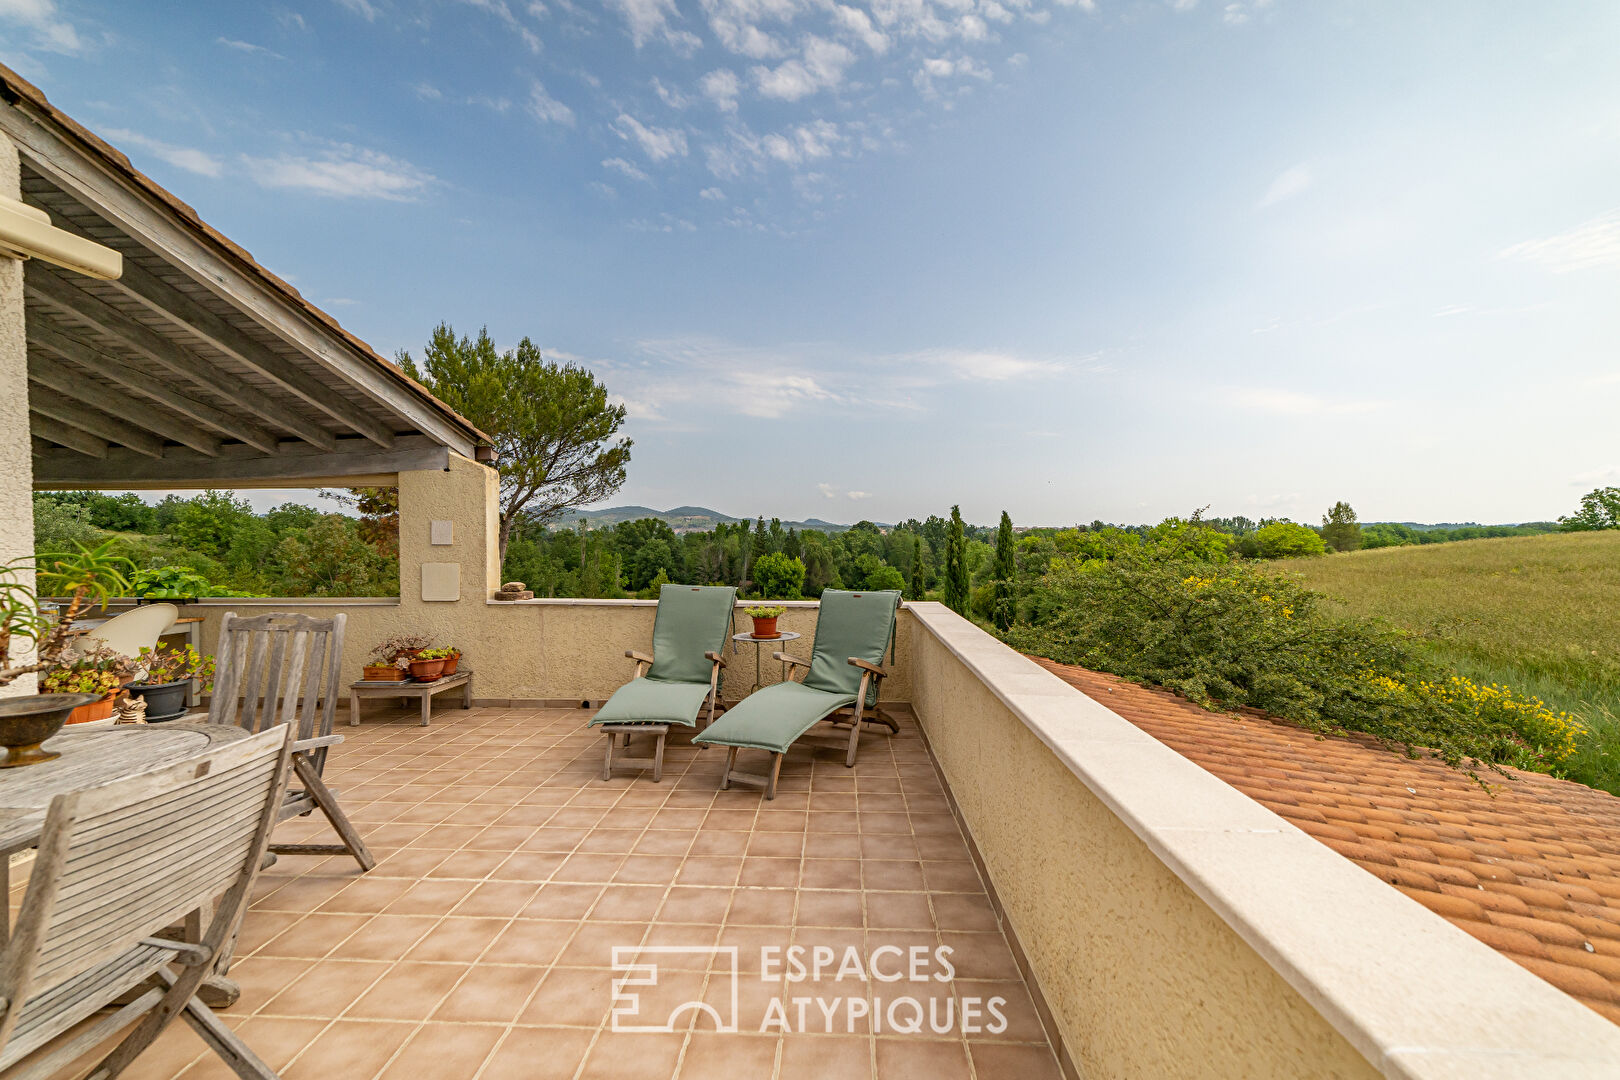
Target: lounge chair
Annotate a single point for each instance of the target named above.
(671, 685)
(853, 631)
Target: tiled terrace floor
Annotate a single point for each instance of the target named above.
(480, 945)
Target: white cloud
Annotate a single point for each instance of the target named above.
(858, 24)
(427, 91)
(245, 47)
(669, 95)
(657, 143)
(978, 365)
(1294, 403)
(649, 19)
(808, 142)
(1591, 244)
(50, 31)
(499, 10)
(547, 109)
(828, 491)
(821, 67)
(857, 496)
(713, 194)
(1290, 182)
(721, 87)
(182, 157)
(362, 8)
(942, 67)
(618, 164)
(343, 171)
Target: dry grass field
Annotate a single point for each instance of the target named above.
(1540, 614)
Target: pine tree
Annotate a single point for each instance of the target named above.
(917, 588)
(956, 574)
(1340, 529)
(1005, 568)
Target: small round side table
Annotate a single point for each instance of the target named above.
(736, 647)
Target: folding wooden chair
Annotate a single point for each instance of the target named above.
(117, 864)
(283, 668)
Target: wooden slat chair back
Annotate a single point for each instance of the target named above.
(284, 668)
(117, 864)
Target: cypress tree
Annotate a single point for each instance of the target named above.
(956, 574)
(1005, 568)
(917, 588)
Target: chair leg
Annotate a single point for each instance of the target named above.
(334, 813)
(607, 760)
(854, 738)
(658, 759)
(776, 767)
(236, 1054)
(731, 763)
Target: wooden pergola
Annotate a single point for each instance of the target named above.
(196, 367)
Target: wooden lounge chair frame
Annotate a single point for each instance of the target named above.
(858, 713)
(117, 864)
(283, 668)
(618, 735)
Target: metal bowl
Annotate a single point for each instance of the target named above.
(29, 720)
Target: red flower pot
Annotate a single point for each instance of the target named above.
(450, 665)
(426, 670)
(96, 710)
(766, 628)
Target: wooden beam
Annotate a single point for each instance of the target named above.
(297, 465)
(151, 385)
(112, 428)
(160, 350)
(56, 375)
(71, 437)
(184, 245)
(185, 312)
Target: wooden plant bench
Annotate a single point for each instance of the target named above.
(407, 690)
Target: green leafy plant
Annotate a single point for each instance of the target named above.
(441, 652)
(175, 583)
(778, 576)
(89, 577)
(764, 612)
(99, 671)
(169, 664)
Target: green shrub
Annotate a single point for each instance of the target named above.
(778, 577)
(1284, 540)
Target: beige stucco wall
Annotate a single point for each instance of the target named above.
(17, 477)
(1143, 978)
(528, 651)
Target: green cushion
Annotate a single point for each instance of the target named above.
(770, 719)
(649, 700)
(691, 620)
(858, 624)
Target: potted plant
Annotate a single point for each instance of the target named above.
(89, 577)
(164, 674)
(765, 621)
(389, 659)
(101, 672)
(428, 664)
(452, 659)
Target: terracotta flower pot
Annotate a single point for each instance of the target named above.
(766, 628)
(450, 665)
(381, 673)
(96, 710)
(426, 670)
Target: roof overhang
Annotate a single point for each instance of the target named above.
(195, 366)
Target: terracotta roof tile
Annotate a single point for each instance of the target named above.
(1530, 867)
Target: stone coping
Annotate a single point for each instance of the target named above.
(1415, 995)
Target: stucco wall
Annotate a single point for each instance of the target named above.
(16, 478)
(1142, 977)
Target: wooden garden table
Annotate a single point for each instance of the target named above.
(90, 758)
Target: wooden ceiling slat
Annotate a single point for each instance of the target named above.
(72, 383)
(72, 438)
(49, 403)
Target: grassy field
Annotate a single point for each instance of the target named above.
(1540, 614)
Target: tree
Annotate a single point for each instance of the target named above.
(917, 589)
(552, 424)
(1006, 567)
(1284, 539)
(1600, 509)
(956, 571)
(1340, 530)
(778, 576)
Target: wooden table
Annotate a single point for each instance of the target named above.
(90, 758)
(406, 691)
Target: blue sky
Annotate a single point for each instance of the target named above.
(867, 259)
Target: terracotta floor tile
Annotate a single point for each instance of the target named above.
(892, 874)
(980, 956)
(695, 904)
(762, 907)
(827, 1057)
(502, 899)
(616, 1056)
(369, 896)
(539, 1054)
(830, 907)
(964, 911)
(1005, 1059)
(912, 1059)
(648, 869)
(529, 866)
(588, 867)
(349, 1048)
(1020, 1022)
(386, 937)
(457, 940)
(711, 1054)
(468, 863)
(571, 997)
(663, 842)
(628, 903)
(490, 994)
(449, 1050)
(562, 900)
(313, 936)
(827, 845)
(707, 870)
(952, 877)
(325, 989)
(899, 911)
(409, 991)
(430, 897)
(721, 843)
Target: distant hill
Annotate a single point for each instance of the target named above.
(681, 519)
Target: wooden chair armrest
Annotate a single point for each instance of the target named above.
(864, 666)
(710, 654)
(316, 743)
(640, 658)
(786, 659)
